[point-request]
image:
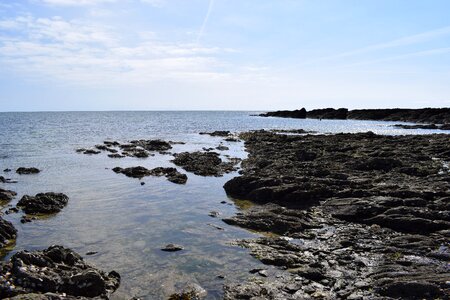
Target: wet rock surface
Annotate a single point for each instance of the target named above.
(23, 171)
(423, 126)
(43, 203)
(355, 216)
(136, 148)
(56, 270)
(424, 115)
(7, 233)
(6, 195)
(171, 174)
(205, 163)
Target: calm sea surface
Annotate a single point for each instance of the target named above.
(127, 223)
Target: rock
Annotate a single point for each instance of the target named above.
(23, 170)
(172, 248)
(424, 115)
(222, 148)
(55, 270)
(153, 145)
(7, 170)
(43, 203)
(214, 214)
(190, 292)
(171, 174)
(297, 114)
(412, 290)
(204, 164)
(7, 233)
(116, 155)
(7, 195)
(217, 133)
(362, 216)
(91, 253)
(6, 180)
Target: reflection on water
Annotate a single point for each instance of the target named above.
(124, 222)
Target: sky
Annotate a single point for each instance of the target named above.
(65, 55)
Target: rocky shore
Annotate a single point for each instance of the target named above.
(348, 216)
(424, 115)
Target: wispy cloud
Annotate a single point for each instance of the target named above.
(80, 52)
(205, 21)
(76, 2)
(400, 42)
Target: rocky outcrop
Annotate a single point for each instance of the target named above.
(23, 170)
(171, 174)
(56, 270)
(136, 148)
(360, 215)
(6, 195)
(7, 233)
(424, 115)
(205, 163)
(217, 133)
(43, 203)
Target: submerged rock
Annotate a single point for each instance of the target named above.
(7, 233)
(23, 170)
(204, 163)
(55, 270)
(43, 203)
(153, 145)
(190, 292)
(6, 180)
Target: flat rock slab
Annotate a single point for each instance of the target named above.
(23, 171)
(55, 270)
(44, 203)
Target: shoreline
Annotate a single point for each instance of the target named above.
(336, 197)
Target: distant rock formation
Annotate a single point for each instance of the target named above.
(423, 115)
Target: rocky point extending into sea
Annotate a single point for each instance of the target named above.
(348, 216)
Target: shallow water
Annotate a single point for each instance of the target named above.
(127, 223)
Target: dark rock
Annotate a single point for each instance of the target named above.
(411, 290)
(204, 164)
(43, 203)
(171, 174)
(222, 148)
(424, 115)
(116, 155)
(7, 170)
(217, 133)
(6, 180)
(55, 270)
(91, 151)
(297, 114)
(153, 145)
(7, 233)
(214, 214)
(23, 170)
(6, 195)
(419, 126)
(172, 248)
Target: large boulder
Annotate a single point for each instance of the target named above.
(55, 270)
(43, 203)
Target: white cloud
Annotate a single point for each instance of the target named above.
(79, 52)
(76, 2)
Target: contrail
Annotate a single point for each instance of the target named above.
(205, 21)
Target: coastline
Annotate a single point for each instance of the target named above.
(325, 207)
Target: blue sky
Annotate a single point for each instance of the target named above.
(223, 54)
